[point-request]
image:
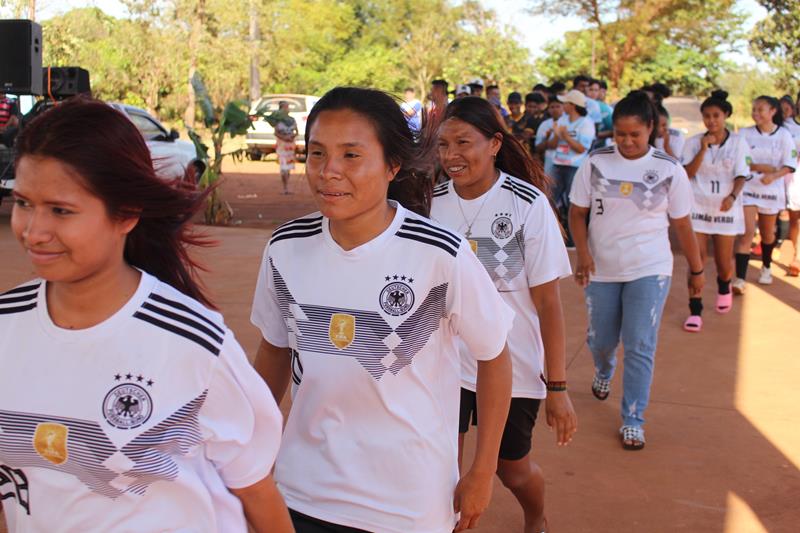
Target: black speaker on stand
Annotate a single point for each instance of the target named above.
(62, 82)
(20, 57)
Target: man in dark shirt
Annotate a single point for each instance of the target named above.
(8, 112)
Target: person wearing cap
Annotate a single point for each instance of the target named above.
(555, 110)
(476, 87)
(572, 137)
(493, 95)
(516, 118)
(462, 91)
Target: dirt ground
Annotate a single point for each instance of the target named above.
(723, 450)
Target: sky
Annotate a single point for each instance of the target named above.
(511, 12)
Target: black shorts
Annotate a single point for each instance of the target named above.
(517, 434)
(308, 524)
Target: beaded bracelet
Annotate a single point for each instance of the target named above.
(556, 386)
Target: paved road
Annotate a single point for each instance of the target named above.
(723, 452)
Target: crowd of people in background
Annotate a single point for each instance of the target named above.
(422, 299)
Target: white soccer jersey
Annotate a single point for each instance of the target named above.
(714, 181)
(677, 140)
(518, 241)
(139, 423)
(778, 150)
(793, 179)
(371, 440)
(630, 204)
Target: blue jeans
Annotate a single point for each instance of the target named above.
(562, 183)
(631, 310)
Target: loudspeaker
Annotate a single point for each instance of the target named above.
(20, 57)
(65, 81)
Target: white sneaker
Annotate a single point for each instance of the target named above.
(738, 286)
(766, 276)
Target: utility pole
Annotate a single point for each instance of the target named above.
(255, 44)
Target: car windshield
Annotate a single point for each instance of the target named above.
(296, 104)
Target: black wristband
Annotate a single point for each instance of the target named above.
(733, 195)
(697, 273)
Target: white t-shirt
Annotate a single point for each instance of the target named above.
(582, 130)
(630, 204)
(371, 440)
(776, 149)
(140, 423)
(793, 179)
(519, 243)
(715, 180)
(541, 135)
(676, 142)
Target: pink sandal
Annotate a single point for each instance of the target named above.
(693, 324)
(724, 303)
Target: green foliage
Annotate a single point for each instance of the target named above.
(744, 86)
(776, 41)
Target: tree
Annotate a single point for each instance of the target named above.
(629, 30)
(775, 39)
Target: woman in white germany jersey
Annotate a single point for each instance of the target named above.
(630, 194)
(361, 306)
(773, 156)
(792, 123)
(494, 198)
(125, 402)
(717, 163)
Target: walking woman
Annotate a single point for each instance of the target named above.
(630, 193)
(774, 156)
(668, 140)
(717, 163)
(126, 404)
(494, 198)
(792, 123)
(361, 306)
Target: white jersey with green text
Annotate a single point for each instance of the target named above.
(776, 149)
(517, 239)
(140, 423)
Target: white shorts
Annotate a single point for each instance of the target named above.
(793, 191)
(769, 202)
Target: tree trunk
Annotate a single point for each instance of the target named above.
(255, 44)
(194, 51)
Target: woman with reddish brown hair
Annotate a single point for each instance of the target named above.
(126, 404)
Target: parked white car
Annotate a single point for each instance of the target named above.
(261, 135)
(171, 155)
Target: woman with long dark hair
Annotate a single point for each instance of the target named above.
(361, 306)
(126, 404)
(774, 156)
(717, 163)
(495, 199)
(624, 199)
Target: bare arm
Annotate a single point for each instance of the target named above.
(274, 365)
(558, 406)
(474, 490)
(688, 240)
(769, 177)
(580, 236)
(264, 507)
(575, 145)
(762, 167)
(694, 165)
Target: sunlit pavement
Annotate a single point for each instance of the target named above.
(723, 429)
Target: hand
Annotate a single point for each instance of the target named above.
(561, 416)
(768, 178)
(727, 203)
(472, 497)
(696, 284)
(584, 269)
(706, 141)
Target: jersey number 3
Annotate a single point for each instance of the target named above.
(600, 209)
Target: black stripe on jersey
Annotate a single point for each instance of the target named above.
(523, 186)
(298, 235)
(25, 288)
(603, 150)
(300, 223)
(182, 319)
(17, 299)
(441, 193)
(658, 154)
(433, 242)
(524, 195)
(441, 189)
(178, 331)
(177, 305)
(19, 309)
(442, 233)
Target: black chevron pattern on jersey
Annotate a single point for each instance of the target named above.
(419, 230)
(182, 320)
(641, 195)
(298, 228)
(521, 189)
(88, 448)
(154, 451)
(310, 325)
(20, 299)
(512, 264)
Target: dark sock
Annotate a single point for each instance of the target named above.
(723, 287)
(781, 230)
(695, 306)
(766, 254)
(741, 265)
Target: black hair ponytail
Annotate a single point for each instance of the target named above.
(718, 99)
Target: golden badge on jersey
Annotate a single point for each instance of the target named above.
(626, 188)
(342, 330)
(474, 245)
(50, 441)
